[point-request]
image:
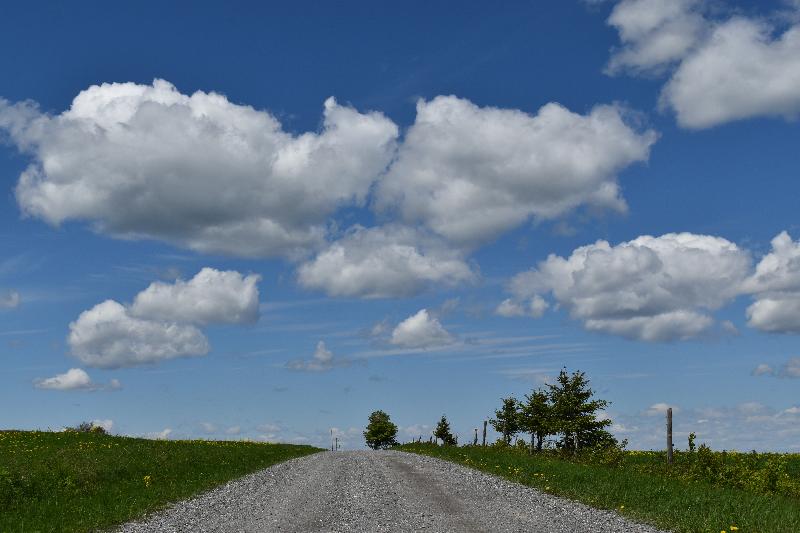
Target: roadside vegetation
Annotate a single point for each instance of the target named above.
(569, 453)
(381, 432)
(639, 486)
(82, 479)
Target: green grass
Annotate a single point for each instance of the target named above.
(68, 481)
(636, 487)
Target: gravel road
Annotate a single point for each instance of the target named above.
(376, 492)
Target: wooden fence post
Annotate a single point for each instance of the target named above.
(475, 441)
(669, 435)
(484, 432)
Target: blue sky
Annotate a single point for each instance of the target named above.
(197, 242)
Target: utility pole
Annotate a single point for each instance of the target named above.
(669, 435)
(337, 444)
(484, 432)
(475, 441)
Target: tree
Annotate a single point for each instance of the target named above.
(574, 413)
(536, 417)
(443, 432)
(381, 432)
(89, 427)
(506, 420)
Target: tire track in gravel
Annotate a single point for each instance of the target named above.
(378, 492)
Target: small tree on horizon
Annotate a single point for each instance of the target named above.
(506, 419)
(536, 417)
(574, 412)
(381, 432)
(443, 433)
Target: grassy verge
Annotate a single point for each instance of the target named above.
(670, 503)
(79, 482)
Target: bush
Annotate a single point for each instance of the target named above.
(88, 427)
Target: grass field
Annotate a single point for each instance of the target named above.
(688, 497)
(69, 481)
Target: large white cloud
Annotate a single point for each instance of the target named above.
(725, 69)
(470, 173)
(654, 33)
(108, 336)
(74, 379)
(382, 262)
(195, 170)
(743, 70)
(650, 288)
(160, 324)
(776, 288)
(212, 296)
(421, 330)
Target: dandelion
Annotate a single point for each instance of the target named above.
(734, 528)
(146, 481)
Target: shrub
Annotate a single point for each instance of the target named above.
(88, 427)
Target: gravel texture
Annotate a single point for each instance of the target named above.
(376, 492)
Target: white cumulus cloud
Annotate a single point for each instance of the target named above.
(650, 288)
(162, 321)
(199, 171)
(420, 330)
(654, 33)
(776, 288)
(212, 296)
(721, 68)
(743, 70)
(382, 262)
(470, 173)
(74, 379)
(108, 336)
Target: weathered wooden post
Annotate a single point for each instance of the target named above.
(475, 441)
(484, 432)
(669, 435)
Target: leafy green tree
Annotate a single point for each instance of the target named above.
(381, 432)
(574, 413)
(443, 433)
(506, 419)
(536, 417)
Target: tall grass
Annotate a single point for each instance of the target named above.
(640, 486)
(71, 481)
